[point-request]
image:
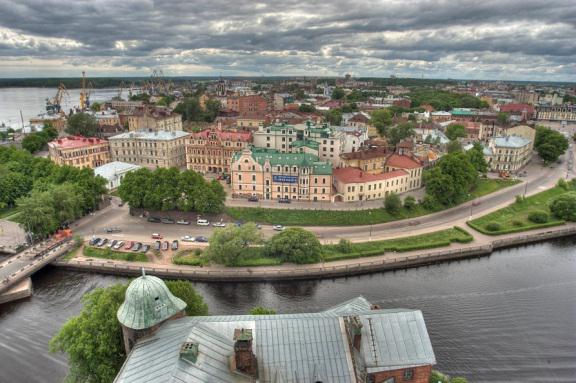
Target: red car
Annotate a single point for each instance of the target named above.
(156, 236)
(128, 245)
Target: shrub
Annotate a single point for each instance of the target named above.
(520, 199)
(344, 246)
(294, 245)
(437, 376)
(538, 216)
(563, 184)
(458, 379)
(493, 226)
(409, 203)
(259, 310)
(517, 223)
(564, 206)
(392, 203)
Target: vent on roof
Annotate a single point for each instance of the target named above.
(189, 352)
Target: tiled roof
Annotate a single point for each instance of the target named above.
(366, 154)
(403, 162)
(72, 142)
(355, 175)
(517, 108)
(224, 135)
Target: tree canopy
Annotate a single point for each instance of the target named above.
(231, 245)
(82, 124)
(550, 144)
(294, 245)
(443, 100)
(392, 203)
(338, 93)
(449, 182)
(191, 109)
(476, 157)
(381, 119)
(35, 142)
(333, 116)
(399, 132)
(564, 206)
(455, 131)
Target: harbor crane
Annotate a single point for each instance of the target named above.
(54, 105)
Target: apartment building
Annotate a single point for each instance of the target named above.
(371, 160)
(80, 152)
(509, 153)
(557, 113)
(151, 149)
(154, 118)
(270, 174)
(211, 150)
(353, 184)
(412, 167)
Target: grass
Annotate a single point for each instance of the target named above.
(116, 255)
(435, 239)
(514, 218)
(300, 217)
(10, 213)
(190, 258)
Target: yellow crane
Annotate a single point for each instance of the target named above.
(84, 93)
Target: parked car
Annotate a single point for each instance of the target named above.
(187, 238)
(113, 230)
(167, 220)
(165, 245)
(201, 239)
(284, 200)
(278, 227)
(145, 248)
(183, 222)
(156, 236)
(175, 244)
(202, 222)
(136, 246)
(157, 245)
(102, 242)
(253, 199)
(94, 241)
(113, 243)
(118, 245)
(129, 245)
(154, 219)
(219, 224)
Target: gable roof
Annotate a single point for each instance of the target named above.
(355, 175)
(402, 162)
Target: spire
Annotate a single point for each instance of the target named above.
(143, 272)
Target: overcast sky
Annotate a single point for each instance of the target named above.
(480, 39)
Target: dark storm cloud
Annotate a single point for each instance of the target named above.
(273, 37)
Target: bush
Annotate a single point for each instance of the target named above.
(538, 216)
(564, 206)
(517, 223)
(344, 246)
(458, 379)
(520, 199)
(563, 184)
(259, 310)
(409, 203)
(437, 376)
(294, 245)
(493, 226)
(392, 203)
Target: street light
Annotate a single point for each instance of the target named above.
(370, 235)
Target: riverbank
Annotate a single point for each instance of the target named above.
(484, 245)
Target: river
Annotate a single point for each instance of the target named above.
(509, 317)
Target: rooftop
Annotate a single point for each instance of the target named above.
(224, 135)
(355, 175)
(511, 142)
(366, 154)
(111, 169)
(72, 142)
(261, 155)
(159, 135)
(403, 162)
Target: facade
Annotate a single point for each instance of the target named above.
(371, 160)
(155, 118)
(412, 167)
(106, 117)
(353, 184)
(126, 106)
(211, 150)
(58, 121)
(354, 342)
(269, 174)
(557, 113)
(247, 104)
(114, 172)
(525, 111)
(281, 100)
(80, 152)
(150, 149)
(509, 153)
(250, 121)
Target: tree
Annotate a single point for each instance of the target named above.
(476, 157)
(294, 245)
(93, 339)
(37, 214)
(455, 131)
(13, 185)
(392, 203)
(338, 94)
(231, 245)
(564, 206)
(95, 106)
(409, 203)
(451, 179)
(82, 124)
(307, 108)
(381, 119)
(453, 146)
(33, 142)
(502, 117)
(550, 144)
(259, 310)
(333, 116)
(400, 132)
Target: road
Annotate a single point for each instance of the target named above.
(538, 179)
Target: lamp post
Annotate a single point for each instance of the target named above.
(471, 207)
(370, 235)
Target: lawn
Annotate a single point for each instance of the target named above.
(190, 258)
(298, 217)
(94, 252)
(514, 218)
(9, 214)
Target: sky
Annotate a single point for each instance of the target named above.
(488, 39)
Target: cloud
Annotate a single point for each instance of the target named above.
(515, 39)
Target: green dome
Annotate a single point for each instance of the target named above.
(148, 302)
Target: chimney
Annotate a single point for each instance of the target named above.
(244, 360)
(355, 331)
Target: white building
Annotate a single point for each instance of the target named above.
(114, 172)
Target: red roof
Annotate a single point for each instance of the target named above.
(355, 175)
(402, 162)
(517, 108)
(224, 135)
(71, 142)
(359, 117)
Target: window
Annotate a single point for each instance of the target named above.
(408, 374)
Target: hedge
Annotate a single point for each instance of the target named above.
(116, 255)
(515, 229)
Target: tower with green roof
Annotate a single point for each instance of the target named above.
(147, 304)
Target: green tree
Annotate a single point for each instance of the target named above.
(451, 179)
(550, 144)
(502, 117)
(49, 132)
(82, 124)
(409, 203)
(333, 116)
(564, 206)
(231, 245)
(211, 110)
(455, 131)
(37, 214)
(184, 290)
(33, 142)
(95, 106)
(190, 109)
(294, 245)
(392, 203)
(259, 310)
(399, 132)
(338, 94)
(458, 379)
(476, 157)
(381, 119)
(13, 185)
(307, 108)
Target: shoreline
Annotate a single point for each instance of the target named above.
(346, 268)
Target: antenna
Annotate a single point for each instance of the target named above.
(143, 272)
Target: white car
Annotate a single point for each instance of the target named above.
(219, 224)
(202, 222)
(183, 222)
(119, 245)
(187, 238)
(278, 227)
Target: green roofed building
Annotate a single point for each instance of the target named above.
(270, 174)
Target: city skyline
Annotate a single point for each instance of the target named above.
(511, 40)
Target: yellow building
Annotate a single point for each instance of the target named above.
(155, 118)
(353, 184)
(412, 167)
(370, 160)
(80, 152)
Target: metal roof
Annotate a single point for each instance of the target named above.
(159, 135)
(511, 141)
(289, 348)
(112, 169)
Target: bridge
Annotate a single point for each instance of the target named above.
(22, 265)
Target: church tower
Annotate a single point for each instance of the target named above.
(148, 303)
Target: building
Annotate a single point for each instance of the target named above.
(354, 341)
(353, 184)
(211, 150)
(253, 104)
(371, 160)
(440, 116)
(114, 172)
(107, 117)
(524, 111)
(125, 106)
(557, 113)
(509, 153)
(56, 120)
(154, 118)
(412, 167)
(151, 149)
(250, 121)
(80, 152)
(270, 174)
(281, 100)
(528, 97)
